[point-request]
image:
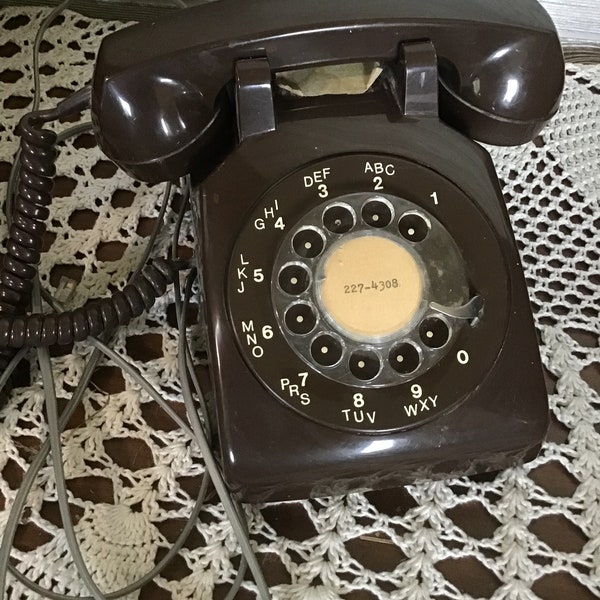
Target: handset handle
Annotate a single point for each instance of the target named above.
(156, 85)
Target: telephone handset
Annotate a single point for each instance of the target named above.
(367, 317)
(157, 100)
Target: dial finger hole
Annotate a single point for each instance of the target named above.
(404, 358)
(300, 318)
(364, 364)
(294, 279)
(434, 332)
(326, 350)
(414, 227)
(308, 242)
(377, 213)
(338, 218)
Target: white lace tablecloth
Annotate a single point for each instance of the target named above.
(132, 476)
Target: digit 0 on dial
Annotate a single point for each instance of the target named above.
(368, 292)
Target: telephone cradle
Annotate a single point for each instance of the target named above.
(366, 313)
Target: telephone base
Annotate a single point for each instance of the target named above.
(292, 425)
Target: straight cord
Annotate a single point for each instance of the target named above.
(57, 424)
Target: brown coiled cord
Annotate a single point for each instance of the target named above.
(94, 318)
(28, 226)
(29, 213)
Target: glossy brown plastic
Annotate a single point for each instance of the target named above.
(159, 111)
(164, 98)
(271, 452)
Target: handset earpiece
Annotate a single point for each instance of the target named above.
(164, 130)
(505, 93)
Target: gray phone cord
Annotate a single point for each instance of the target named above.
(57, 425)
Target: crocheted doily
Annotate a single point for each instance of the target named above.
(132, 476)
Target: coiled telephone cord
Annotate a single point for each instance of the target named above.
(19, 268)
(19, 284)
